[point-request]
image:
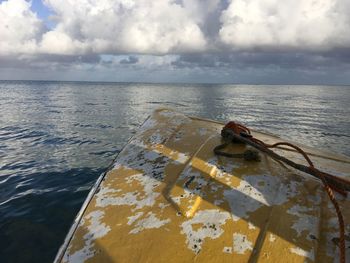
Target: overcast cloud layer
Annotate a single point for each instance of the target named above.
(182, 36)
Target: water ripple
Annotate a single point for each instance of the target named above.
(56, 138)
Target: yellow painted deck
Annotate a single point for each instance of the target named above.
(168, 198)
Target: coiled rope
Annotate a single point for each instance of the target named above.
(235, 132)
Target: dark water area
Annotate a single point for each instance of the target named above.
(56, 138)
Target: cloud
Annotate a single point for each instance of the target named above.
(20, 28)
(183, 36)
(296, 24)
(237, 67)
(121, 26)
(116, 26)
(129, 60)
(269, 67)
(168, 26)
(261, 59)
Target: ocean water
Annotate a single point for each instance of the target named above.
(56, 138)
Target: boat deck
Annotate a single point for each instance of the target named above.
(168, 198)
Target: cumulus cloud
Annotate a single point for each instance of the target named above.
(141, 26)
(177, 36)
(107, 26)
(169, 26)
(20, 28)
(301, 24)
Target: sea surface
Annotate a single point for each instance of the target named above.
(56, 138)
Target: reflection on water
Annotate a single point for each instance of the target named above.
(56, 138)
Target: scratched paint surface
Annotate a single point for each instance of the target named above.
(169, 199)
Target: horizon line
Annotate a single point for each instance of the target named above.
(175, 83)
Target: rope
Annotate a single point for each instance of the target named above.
(248, 155)
(235, 132)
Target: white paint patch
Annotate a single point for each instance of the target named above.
(140, 157)
(133, 218)
(287, 189)
(148, 223)
(186, 194)
(227, 250)
(251, 226)
(163, 205)
(209, 221)
(243, 199)
(305, 221)
(182, 158)
(301, 252)
(190, 191)
(272, 238)
(255, 191)
(156, 138)
(241, 243)
(202, 131)
(151, 156)
(332, 249)
(218, 202)
(96, 229)
(106, 196)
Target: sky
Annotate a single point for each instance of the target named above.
(193, 41)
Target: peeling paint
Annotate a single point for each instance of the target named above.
(96, 229)
(301, 252)
(241, 243)
(210, 222)
(305, 221)
(163, 205)
(105, 196)
(156, 138)
(182, 158)
(133, 218)
(162, 186)
(247, 197)
(148, 223)
(151, 156)
(218, 202)
(251, 226)
(255, 191)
